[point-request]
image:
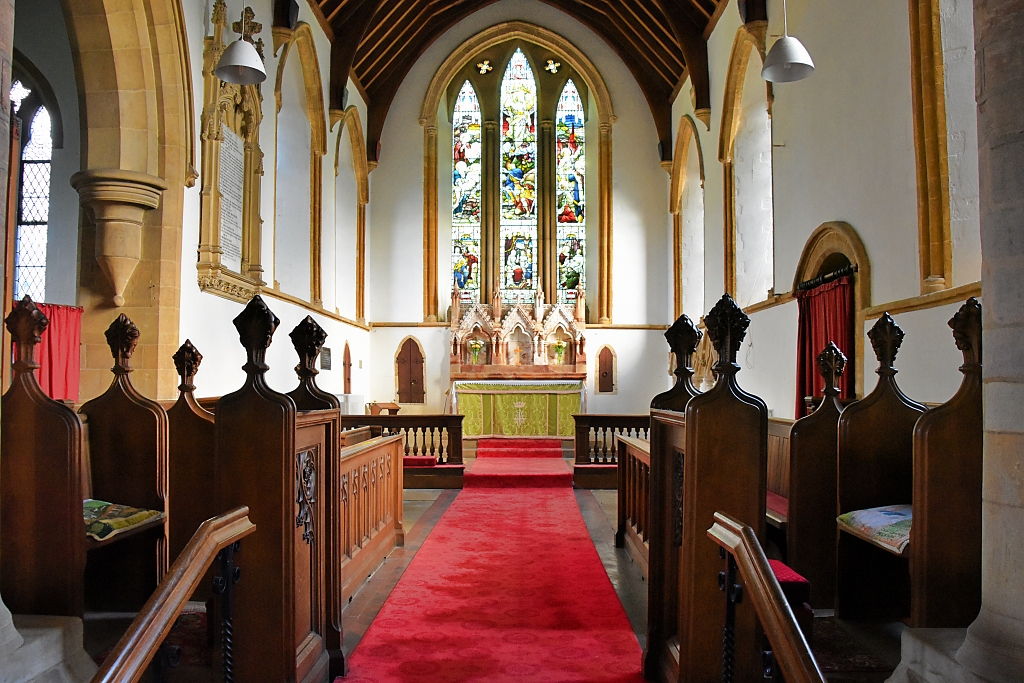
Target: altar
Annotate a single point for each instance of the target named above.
(540, 408)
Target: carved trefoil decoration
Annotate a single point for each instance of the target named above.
(186, 361)
(230, 229)
(886, 338)
(831, 365)
(966, 326)
(122, 338)
(727, 326)
(305, 486)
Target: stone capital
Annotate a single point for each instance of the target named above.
(118, 201)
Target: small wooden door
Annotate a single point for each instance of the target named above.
(346, 365)
(410, 373)
(605, 371)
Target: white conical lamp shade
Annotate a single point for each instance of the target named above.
(787, 61)
(241, 64)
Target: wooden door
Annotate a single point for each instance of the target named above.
(347, 367)
(605, 371)
(410, 373)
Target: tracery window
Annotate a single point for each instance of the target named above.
(534, 233)
(34, 204)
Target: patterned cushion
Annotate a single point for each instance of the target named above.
(888, 527)
(103, 519)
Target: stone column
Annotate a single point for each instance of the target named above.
(547, 247)
(994, 647)
(490, 211)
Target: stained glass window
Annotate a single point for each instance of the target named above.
(33, 211)
(466, 192)
(518, 240)
(570, 193)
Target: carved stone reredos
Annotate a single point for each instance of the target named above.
(476, 317)
(122, 337)
(966, 326)
(308, 338)
(186, 361)
(886, 338)
(519, 316)
(256, 325)
(831, 364)
(26, 322)
(683, 337)
(727, 326)
(561, 316)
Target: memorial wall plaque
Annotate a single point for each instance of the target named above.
(232, 184)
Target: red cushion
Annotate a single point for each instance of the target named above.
(419, 461)
(778, 504)
(796, 588)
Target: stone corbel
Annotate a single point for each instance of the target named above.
(117, 201)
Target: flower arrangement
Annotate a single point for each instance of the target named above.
(475, 347)
(559, 346)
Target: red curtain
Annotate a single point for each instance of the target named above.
(826, 315)
(58, 354)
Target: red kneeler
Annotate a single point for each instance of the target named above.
(797, 590)
(418, 461)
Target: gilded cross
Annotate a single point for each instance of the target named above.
(485, 66)
(552, 66)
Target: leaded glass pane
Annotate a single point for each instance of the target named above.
(18, 93)
(34, 211)
(30, 262)
(466, 192)
(570, 193)
(518, 240)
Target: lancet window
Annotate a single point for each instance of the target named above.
(571, 193)
(466, 193)
(34, 202)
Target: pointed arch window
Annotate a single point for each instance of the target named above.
(518, 239)
(570, 193)
(466, 194)
(33, 208)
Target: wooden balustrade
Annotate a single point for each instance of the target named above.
(634, 477)
(439, 436)
(789, 648)
(595, 435)
(369, 497)
(129, 659)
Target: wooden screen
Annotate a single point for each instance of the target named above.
(410, 373)
(346, 364)
(605, 371)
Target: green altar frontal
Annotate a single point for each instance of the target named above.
(518, 408)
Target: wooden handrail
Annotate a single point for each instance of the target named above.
(601, 429)
(128, 660)
(789, 647)
(424, 433)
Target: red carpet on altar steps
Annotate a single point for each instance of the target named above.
(513, 463)
(507, 588)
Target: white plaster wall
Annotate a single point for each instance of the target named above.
(642, 370)
(768, 358)
(692, 246)
(640, 273)
(292, 189)
(384, 344)
(40, 34)
(340, 261)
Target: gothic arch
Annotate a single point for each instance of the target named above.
(839, 237)
(686, 136)
(138, 152)
(301, 40)
(350, 121)
(549, 40)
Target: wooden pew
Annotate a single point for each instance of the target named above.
(876, 444)
(664, 534)
(945, 537)
(276, 461)
(813, 454)
(722, 443)
(777, 506)
(45, 475)
(634, 497)
(192, 484)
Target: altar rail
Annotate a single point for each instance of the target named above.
(439, 436)
(595, 435)
(634, 477)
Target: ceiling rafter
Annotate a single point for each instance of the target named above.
(660, 42)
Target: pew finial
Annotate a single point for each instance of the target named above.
(966, 326)
(831, 364)
(26, 323)
(122, 338)
(307, 338)
(683, 338)
(727, 326)
(886, 337)
(256, 325)
(186, 361)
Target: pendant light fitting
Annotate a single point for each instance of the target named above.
(788, 60)
(242, 61)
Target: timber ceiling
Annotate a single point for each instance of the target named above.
(659, 40)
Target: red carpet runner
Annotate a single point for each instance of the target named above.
(507, 588)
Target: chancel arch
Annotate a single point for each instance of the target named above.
(553, 64)
(686, 204)
(351, 195)
(745, 150)
(298, 224)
